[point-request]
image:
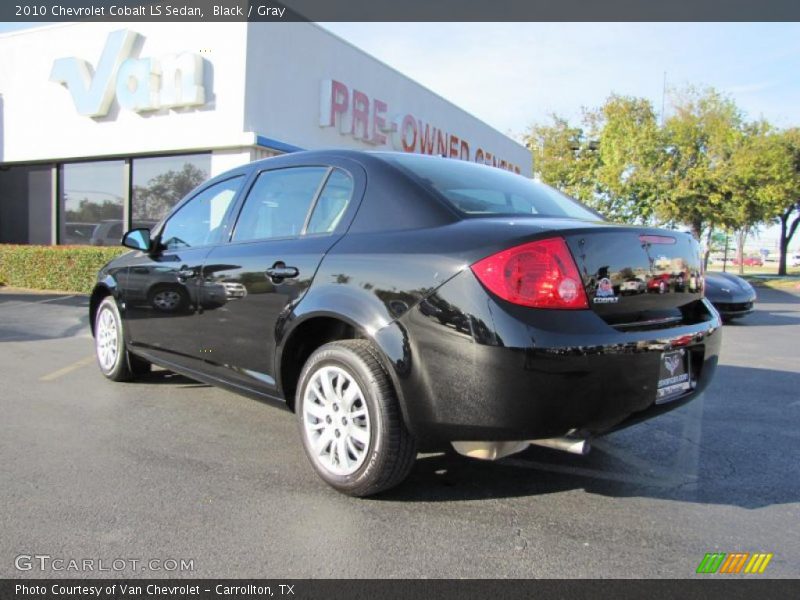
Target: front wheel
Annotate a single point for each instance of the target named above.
(350, 421)
(115, 362)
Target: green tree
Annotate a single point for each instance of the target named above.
(705, 168)
(748, 183)
(629, 158)
(153, 201)
(699, 139)
(92, 211)
(785, 197)
(612, 162)
(564, 158)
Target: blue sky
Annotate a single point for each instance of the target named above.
(513, 74)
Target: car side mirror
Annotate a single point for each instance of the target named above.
(138, 239)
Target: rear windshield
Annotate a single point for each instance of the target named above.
(477, 190)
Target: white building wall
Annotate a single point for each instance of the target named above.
(224, 160)
(287, 64)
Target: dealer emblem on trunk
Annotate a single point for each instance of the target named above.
(605, 292)
(672, 362)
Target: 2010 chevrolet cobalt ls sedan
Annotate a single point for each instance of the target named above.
(399, 302)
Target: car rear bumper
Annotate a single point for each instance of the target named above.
(514, 374)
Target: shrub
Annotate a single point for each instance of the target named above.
(62, 268)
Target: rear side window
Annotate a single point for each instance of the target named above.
(278, 203)
(201, 221)
(332, 203)
(476, 190)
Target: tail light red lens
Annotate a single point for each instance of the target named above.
(540, 274)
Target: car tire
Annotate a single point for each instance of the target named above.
(350, 421)
(114, 360)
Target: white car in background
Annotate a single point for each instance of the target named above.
(794, 260)
(633, 285)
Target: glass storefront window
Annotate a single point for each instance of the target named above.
(92, 203)
(161, 182)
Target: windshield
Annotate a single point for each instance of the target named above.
(477, 190)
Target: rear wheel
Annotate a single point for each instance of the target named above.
(350, 421)
(115, 362)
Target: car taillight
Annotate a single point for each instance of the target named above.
(540, 274)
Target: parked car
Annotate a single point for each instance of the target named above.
(398, 302)
(750, 261)
(107, 233)
(632, 285)
(78, 233)
(793, 260)
(660, 283)
(731, 295)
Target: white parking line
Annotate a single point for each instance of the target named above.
(51, 299)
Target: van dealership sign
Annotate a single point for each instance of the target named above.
(369, 120)
(138, 84)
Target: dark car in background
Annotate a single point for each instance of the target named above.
(399, 302)
(731, 295)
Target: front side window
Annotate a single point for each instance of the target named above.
(201, 221)
(278, 203)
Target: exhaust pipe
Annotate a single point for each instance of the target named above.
(566, 444)
(495, 450)
(489, 450)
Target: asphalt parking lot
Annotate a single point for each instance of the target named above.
(169, 468)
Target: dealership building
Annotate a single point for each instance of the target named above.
(104, 126)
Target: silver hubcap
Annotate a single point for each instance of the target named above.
(167, 300)
(335, 421)
(107, 339)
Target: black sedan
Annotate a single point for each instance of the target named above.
(401, 303)
(731, 295)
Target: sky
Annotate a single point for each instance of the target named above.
(514, 74)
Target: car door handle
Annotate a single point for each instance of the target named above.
(279, 271)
